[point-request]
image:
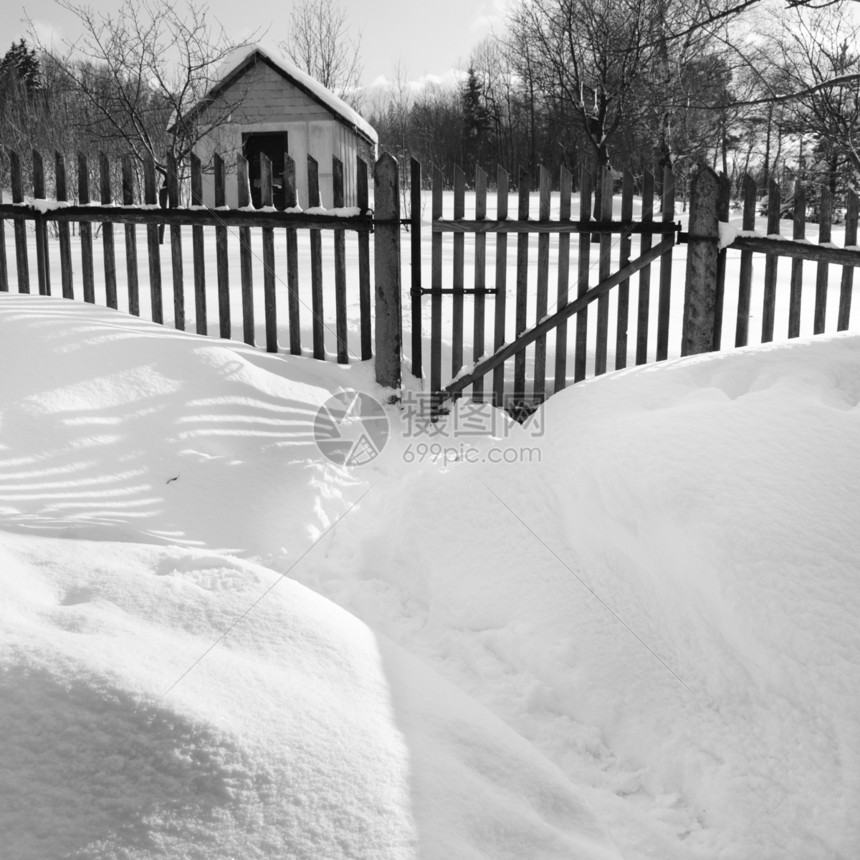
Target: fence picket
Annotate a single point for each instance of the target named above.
(176, 245)
(502, 186)
(225, 327)
(415, 258)
(339, 267)
(292, 236)
(604, 267)
(585, 185)
(246, 272)
(771, 264)
(436, 286)
(523, 192)
(623, 318)
(108, 246)
(153, 245)
(664, 301)
(270, 315)
(745, 281)
(458, 279)
(86, 231)
(43, 267)
(565, 193)
(825, 219)
(364, 291)
(20, 227)
(847, 284)
(723, 208)
(542, 298)
(201, 326)
(798, 234)
(4, 271)
(316, 263)
(480, 279)
(130, 239)
(644, 298)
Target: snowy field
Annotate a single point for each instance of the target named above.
(638, 640)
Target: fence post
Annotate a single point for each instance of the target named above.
(700, 297)
(386, 245)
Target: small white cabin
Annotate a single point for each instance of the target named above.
(282, 109)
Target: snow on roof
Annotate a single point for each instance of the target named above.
(234, 62)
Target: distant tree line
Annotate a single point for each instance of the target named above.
(646, 84)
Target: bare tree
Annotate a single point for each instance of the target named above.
(142, 73)
(321, 44)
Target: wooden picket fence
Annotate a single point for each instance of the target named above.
(130, 212)
(491, 361)
(704, 285)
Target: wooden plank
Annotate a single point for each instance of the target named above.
(774, 203)
(66, 272)
(847, 284)
(623, 317)
(644, 300)
(201, 326)
(480, 280)
(153, 244)
(108, 246)
(604, 268)
(501, 297)
(388, 307)
(246, 272)
(270, 312)
(415, 257)
(542, 297)
(551, 321)
(293, 300)
(458, 283)
(86, 231)
(700, 285)
(535, 225)
(318, 322)
(222, 264)
(341, 332)
(364, 290)
(723, 207)
(176, 245)
(436, 285)
(664, 301)
(798, 250)
(20, 226)
(43, 268)
(130, 239)
(825, 220)
(745, 277)
(4, 268)
(564, 211)
(521, 322)
(583, 269)
(798, 234)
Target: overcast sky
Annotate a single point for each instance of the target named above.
(427, 38)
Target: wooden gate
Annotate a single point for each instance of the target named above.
(501, 336)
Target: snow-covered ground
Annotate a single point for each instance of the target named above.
(638, 640)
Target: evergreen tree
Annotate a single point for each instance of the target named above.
(22, 65)
(476, 120)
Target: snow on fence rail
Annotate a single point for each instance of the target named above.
(253, 252)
